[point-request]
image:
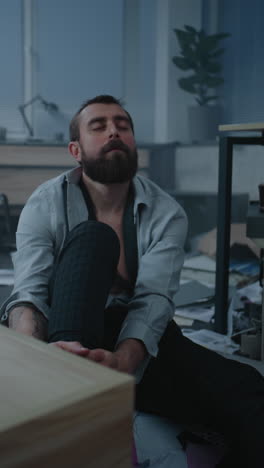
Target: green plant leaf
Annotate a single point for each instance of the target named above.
(213, 82)
(199, 52)
(213, 39)
(217, 53)
(221, 36)
(201, 34)
(210, 98)
(187, 85)
(202, 76)
(191, 55)
(184, 37)
(190, 29)
(214, 67)
(210, 43)
(182, 63)
(200, 101)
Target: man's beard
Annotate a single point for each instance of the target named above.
(119, 167)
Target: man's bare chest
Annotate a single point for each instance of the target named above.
(116, 223)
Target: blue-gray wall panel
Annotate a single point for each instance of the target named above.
(243, 60)
(11, 59)
(79, 49)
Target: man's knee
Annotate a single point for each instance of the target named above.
(94, 229)
(93, 236)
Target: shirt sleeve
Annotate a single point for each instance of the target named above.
(152, 305)
(34, 257)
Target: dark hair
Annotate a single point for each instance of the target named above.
(101, 99)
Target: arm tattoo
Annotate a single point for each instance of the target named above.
(33, 317)
(14, 317)
(40, 326)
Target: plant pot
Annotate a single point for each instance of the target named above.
(203, 122)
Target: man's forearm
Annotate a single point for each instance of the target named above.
(130, 354)
(29, 321)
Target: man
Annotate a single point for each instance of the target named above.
(102, 141)
(99, 254)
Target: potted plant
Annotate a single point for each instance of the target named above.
(199, 54)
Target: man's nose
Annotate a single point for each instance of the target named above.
(113, 131)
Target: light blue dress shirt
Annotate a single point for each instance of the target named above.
(161, 226)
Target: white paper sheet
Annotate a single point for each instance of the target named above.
(200, 262)
(204, 314)
(211, 340)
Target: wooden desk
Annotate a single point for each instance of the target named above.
(60, 410)
(226, 144)
(24, 166)
(247, 127)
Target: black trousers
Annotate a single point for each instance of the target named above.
(185, 382)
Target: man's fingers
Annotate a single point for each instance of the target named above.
(101, 356)
(72, 346)
(97, 355)
(106, 358)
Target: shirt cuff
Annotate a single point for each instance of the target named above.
(18, 299)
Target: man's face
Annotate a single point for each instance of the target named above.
(107, 146)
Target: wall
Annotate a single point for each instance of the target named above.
(11, 50)
(84, 47)
(243, 69)
(181, 12)
(79, 54)
(125, 47)
(139, 64)
(76, 52)
(243, 60)
(196, 169)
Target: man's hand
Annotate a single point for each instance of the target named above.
(127, 357)
(104, 357)
(74, 347)
(129, 354)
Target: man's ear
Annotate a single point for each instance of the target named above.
(74, 149)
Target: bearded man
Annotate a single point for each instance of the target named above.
(99, 254)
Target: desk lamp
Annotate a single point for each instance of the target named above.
(50, 107)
